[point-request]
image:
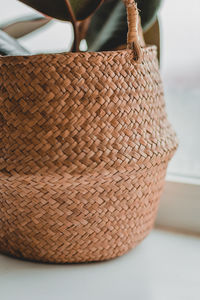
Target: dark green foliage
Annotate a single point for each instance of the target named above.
(107, 30)
(58, 8)
(148, 11)
(108, 27)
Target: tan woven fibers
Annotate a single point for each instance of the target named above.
(84, 147)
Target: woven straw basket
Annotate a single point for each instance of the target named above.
(84, 145)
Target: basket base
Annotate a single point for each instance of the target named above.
(56, 219)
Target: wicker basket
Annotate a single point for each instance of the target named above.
(85, 144)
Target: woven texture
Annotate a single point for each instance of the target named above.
(84, 148)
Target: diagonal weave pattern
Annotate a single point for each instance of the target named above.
(84, 148)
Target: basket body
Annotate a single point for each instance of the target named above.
(85, 144)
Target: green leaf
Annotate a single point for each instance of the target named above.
(148, 11)
(84, 8)
(23, 26)
(10, 46)
(108, 27)
(58, 8)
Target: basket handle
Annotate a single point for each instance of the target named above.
(133, 40)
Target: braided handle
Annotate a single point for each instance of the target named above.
(133, 40)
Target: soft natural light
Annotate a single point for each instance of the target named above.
(181, 73)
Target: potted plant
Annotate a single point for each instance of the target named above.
(103, 29)
(85, 140)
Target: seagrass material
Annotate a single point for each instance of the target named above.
(84, 148)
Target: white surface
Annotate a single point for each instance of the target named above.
(166, 266)
(180, 206)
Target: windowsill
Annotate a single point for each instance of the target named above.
(165, 266)
(180, 204)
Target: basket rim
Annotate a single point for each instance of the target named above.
(24, 58)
